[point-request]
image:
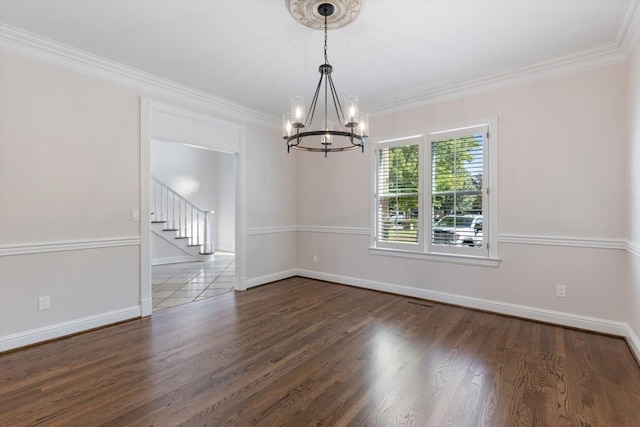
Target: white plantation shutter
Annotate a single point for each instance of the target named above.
(457, 189)
(398, 193)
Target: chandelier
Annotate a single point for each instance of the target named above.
(350, 129)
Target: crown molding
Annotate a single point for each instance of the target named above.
(629, 34)
(17, 41)
(613, 53)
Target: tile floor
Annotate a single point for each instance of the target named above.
(175, 284)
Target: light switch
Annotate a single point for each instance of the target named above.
(135, 215)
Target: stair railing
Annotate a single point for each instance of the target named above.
(182, 216)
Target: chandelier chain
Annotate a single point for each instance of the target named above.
(326, 61)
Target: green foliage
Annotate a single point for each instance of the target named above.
(449, 157)
(404, 177)
(454, 187)
(404, 170)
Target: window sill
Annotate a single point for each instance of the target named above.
(451, 258)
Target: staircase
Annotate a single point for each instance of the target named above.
(179, 222)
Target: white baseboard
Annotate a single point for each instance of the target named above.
(21, 339)
(543, 315)
(146, 307)
(240, 283)
(257, 281)
(173, 260)
(634, 342)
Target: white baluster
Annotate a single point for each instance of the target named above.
(180, 234)
(207, 247)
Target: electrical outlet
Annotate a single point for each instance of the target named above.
(561, 291)
(315, 258)
(43, 303)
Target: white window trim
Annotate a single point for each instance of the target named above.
(479, 261)
(389, 143)
(420, 250)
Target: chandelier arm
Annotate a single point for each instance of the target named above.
(297, 140)
(336, 102)
(322, 150)
(314, 102)
(326, 77)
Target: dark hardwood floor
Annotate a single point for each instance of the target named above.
(304, 352)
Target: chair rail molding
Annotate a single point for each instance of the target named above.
(577, 242)
(271, 230)
(333, 230)
(67, 245)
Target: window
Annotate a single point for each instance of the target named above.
(452, 170)
(398, 204)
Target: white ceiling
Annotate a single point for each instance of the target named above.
(252, 52)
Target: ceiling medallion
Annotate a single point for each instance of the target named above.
(306, 12)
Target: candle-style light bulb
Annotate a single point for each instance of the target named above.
(287, 127)
(363, 124)
(351, 111)
(297, 111)
(327, 138)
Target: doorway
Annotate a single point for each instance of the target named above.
(202, 179)
(163, 122)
